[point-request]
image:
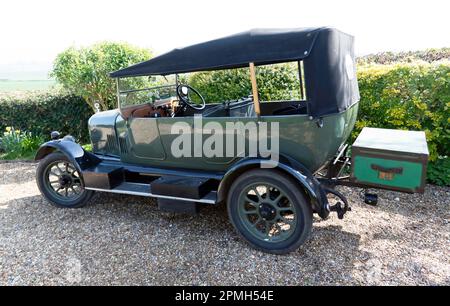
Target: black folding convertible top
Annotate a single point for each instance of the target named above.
(261, 46)
(328, 56)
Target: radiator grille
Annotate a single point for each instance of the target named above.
(123, 145)
(111, 144)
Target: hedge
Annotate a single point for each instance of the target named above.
(41, 113)
(411, 96)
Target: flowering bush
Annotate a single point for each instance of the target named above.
(18, 144)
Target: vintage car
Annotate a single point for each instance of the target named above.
(270, 198)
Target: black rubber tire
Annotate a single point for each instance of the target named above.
(40, 180)
(292, 189)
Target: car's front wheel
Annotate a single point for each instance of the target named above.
(269, 210)
(61, 183)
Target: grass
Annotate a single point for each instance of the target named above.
(25, 85)
(13, 156)
(29, 155)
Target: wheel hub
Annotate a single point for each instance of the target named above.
(65, 180)
(267, 211)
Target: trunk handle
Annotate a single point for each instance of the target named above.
(398, 170)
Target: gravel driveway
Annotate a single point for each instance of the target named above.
(125, 240)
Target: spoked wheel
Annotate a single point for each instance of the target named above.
(61, 183)
(269, 210)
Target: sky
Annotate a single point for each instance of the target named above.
(34, 32)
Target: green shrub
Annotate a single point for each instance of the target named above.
(85, 71)
(19, 144)
(42, 113)
(410, 97)
(87, 147)
(275, 82)
(439, 171)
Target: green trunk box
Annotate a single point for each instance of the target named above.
(390, 159)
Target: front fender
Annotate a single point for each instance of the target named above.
(80, 158)
(285, 164)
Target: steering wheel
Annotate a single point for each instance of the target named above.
(183, 93)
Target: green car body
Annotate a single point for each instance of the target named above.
(147, 141)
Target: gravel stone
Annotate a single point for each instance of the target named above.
(126, 240)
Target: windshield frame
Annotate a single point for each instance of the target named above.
(120, 92)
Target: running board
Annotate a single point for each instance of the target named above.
(145, 190)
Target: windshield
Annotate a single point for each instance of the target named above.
(141, 90)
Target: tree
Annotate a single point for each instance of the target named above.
(85, 71)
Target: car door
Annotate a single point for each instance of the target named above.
(145, 139)
(168, 136)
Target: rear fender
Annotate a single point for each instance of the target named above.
(80, 158)
(287, 165)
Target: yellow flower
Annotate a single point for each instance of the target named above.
(8, 129)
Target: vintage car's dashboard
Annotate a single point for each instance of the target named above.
(159, 108)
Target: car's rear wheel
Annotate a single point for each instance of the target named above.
(61, 183)
(269, 210)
